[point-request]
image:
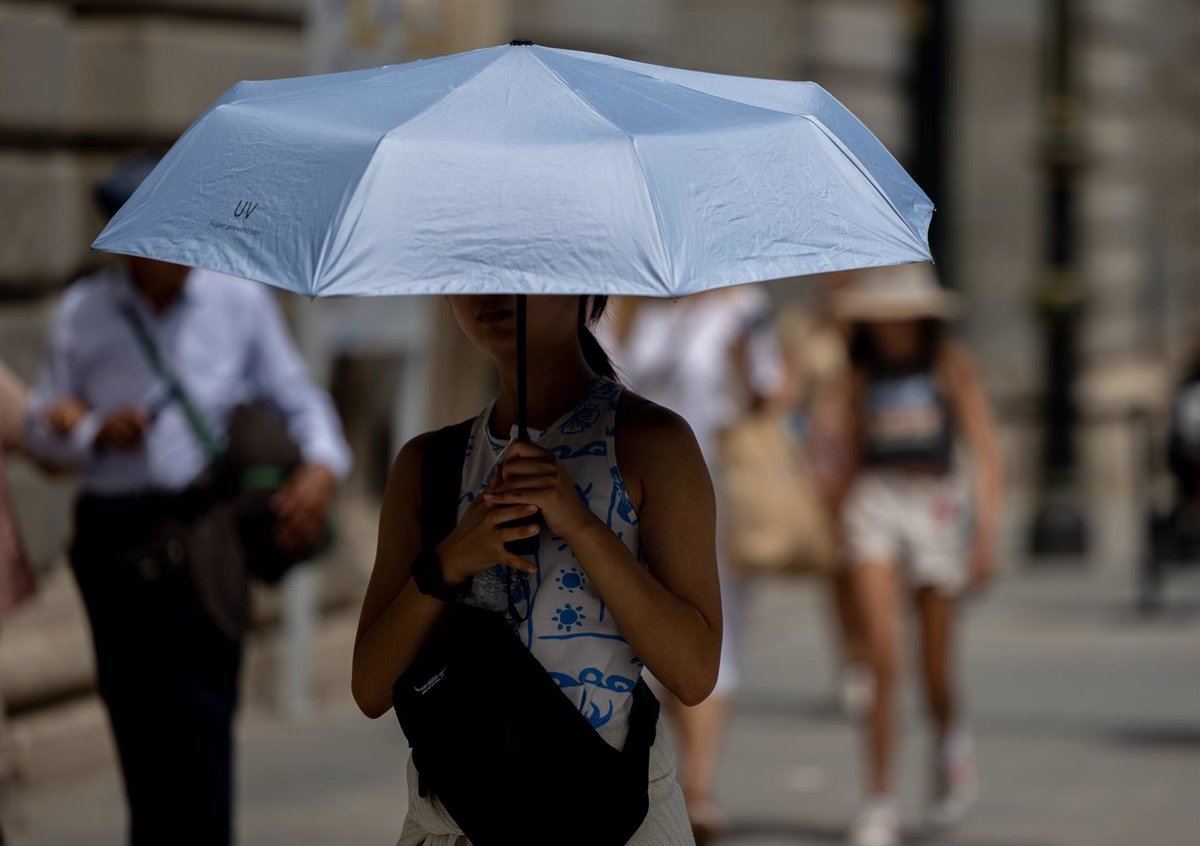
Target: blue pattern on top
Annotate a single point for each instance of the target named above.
(573, 636)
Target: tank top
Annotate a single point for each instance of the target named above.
(907, 422)
(566, 625)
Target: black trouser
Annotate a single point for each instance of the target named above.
(166, 674)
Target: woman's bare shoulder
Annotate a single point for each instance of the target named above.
(957, 362)
(404, 478)
(640, 418)
(651, 433)
(658, 453)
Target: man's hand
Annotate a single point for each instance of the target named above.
(64, 415)
(302, 506)
(124, 429)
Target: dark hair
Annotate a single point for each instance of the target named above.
(865, 356)
(591, 309)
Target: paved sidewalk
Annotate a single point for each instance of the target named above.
(1087, 722)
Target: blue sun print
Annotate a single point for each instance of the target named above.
(569, 617)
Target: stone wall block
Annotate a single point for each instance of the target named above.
(44, 210)
(271, 9)
(34, 66)
(155, 76)
(864, 36)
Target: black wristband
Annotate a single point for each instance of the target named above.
(428, 576)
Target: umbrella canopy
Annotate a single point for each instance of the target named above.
(524, 170)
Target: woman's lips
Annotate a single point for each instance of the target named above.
(494, 316)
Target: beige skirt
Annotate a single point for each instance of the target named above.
(666, 823)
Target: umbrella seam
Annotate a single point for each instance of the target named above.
(662, 238)
(367, 74)
(811, 119)
(862, 169)
(337, 228)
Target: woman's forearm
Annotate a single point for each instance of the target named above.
(669, 635)
(988, 493)
(388, 647)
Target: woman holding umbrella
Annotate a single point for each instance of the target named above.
(626, 571)
(526, 170)
(915, 394)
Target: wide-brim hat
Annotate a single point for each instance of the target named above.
(905, 292)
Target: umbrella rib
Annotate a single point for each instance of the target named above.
(866, 174)
(654, 210)
(336, 229)
(811, 118)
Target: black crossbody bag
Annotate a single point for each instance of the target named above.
(493, 738)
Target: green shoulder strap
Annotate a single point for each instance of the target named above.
(175, 391)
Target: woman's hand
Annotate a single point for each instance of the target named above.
(533, 476)
(983, 563)
(477, 542)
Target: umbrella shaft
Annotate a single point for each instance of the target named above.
(522, 367)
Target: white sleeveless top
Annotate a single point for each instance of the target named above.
(568, 628)
(566, 625)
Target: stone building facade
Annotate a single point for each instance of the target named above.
(84, 83)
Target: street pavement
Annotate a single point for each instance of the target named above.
(1086, 718)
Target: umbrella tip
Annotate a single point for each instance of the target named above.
(517, 42)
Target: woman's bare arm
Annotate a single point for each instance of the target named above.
(969, 402)
(670, 611)
(396, 619)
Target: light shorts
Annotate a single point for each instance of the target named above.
(916, 521)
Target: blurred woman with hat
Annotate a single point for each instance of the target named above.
(912, 520)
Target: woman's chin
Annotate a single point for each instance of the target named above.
(500, 341)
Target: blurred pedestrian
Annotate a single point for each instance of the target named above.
(16, 577)
(1183, 449)
(624, 573)
(709, 357)
(909, 521)
(814, 348)
(146, 367)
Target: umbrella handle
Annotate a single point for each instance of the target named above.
(524, 546)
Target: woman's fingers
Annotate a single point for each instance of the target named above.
(525, 483)
(529, 467)
(526, 449)
(509, 513)
(534, 495)
(518, 563)
(516, 533)
(497, 479)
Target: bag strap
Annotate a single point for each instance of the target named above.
(175, 391)
(441, 479)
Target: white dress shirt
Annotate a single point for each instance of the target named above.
(678, 354)
(225, 340)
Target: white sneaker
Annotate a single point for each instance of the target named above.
(955, 782)
(857, 690)
(877, 824)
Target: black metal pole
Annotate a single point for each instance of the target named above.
(931, 26)
(1059, 528)
(524, 546)
(522, 372)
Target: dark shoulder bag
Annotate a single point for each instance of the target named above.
(493, 738)
(228, 532)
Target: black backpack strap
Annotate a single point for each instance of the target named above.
(441, 479)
